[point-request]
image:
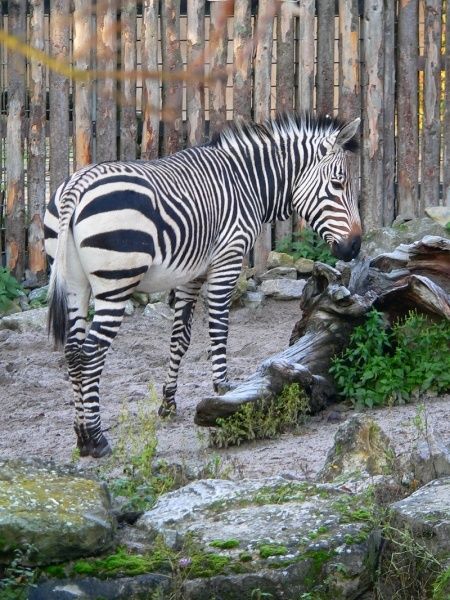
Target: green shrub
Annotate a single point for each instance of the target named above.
(262, 419)
(10, 289)
(306, 244)
(382, 366)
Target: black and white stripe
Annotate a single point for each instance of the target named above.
(117, 227)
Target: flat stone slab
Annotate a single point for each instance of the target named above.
(51, 515)
(283, 289)
(29, 320)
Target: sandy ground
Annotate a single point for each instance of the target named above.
(37, 415)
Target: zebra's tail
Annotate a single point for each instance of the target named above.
(57, 291)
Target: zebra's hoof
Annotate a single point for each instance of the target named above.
(101, 449)
(167, 409)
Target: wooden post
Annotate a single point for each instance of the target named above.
(325, 57)
(172, 63)
(128, 121)
(305, 56)
(2, 138)
(106, 121)
(372, 187)
(389, 114)
(82, 40)
(36, 149)
(285, 82)
(195, 91)
(446, 149)
(218, 38)
(151, 91)
(15, 197)
(262, 93)
(242, 80)
(349, 76)
(407, 109)
(59, 94)
(429, 195)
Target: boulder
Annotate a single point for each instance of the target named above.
(38, 294)
(239, 290)
(31, 320)
(279, 259)
(296, 537)
(360, 449)
(304, 266)
(51, 515)
(440, 214)
(279, 273)
(430, 460)
(283, 289)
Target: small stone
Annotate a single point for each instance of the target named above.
(158, 310)
(279, 273)
(141, 298)
(156, 297)
(253, 299)
(304, 266)
(129, 308)
(239, 289)
(252, 286)
(38, 294)
(279, 259)
(283, 289)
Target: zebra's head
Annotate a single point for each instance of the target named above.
(323, 192)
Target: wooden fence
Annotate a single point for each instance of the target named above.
(83, 82)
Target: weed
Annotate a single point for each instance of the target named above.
(10, 289)
(225, 544)
(306, 244)
(382, 367)
(266, 550)
(263, 419)
(441, 586)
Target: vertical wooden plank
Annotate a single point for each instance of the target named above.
(172, 63)
(325, 57)
(389, 114)
(262, 90)
(2, 137)
(59, 94)
(407, 109)
(151, 91)
(106, 120)
(36, 149)
(285, 81)
(372, 160)
(446, 138)
(15, 196)
(305, 56)
(195, 92)
(429, 195)
(128, 121)
(82, 40)
(242, 40)
(349, 76)
(218, 61)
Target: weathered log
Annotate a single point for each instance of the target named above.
(334, 301)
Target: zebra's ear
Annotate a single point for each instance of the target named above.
(346, 138)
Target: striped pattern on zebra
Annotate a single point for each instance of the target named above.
(175, 222)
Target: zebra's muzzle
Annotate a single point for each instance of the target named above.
(347, 249)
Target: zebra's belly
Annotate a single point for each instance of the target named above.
(160, 278)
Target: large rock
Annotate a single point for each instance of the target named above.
(386, 239)
(31, 320)
(51, 515)
(279, 259)
(440, 214)
(283, 289)
(430, 460)
(293, 534)
(360, 449)
(280, 273)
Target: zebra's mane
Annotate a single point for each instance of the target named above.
(283, 124)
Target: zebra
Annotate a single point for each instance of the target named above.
(117, 227)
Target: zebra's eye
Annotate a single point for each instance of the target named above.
(338, 184)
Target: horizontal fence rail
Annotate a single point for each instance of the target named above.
(85, 81)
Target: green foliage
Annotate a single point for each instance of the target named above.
(306, 244)
(225, 544)
(266, 550)
(441, 587)
(382, 366)
(262, 419)
(10, 289)
(16, 577)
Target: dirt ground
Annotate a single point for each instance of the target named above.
(37, 415)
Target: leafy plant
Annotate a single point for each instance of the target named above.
(306, 244)
(382, 366)
(262, 419)
(10, 289)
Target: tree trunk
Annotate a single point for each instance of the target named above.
(333, 303)
(242, 81)
(151, 94)
(128, 121)
(195, 91)
(325, 57)
(218, 63)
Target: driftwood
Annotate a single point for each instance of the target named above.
(334, 301)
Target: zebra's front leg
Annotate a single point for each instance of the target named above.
(221, 282)
(185, 300)
(105, 325)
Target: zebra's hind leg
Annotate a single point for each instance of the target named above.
(105, 325)
(185, 300)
